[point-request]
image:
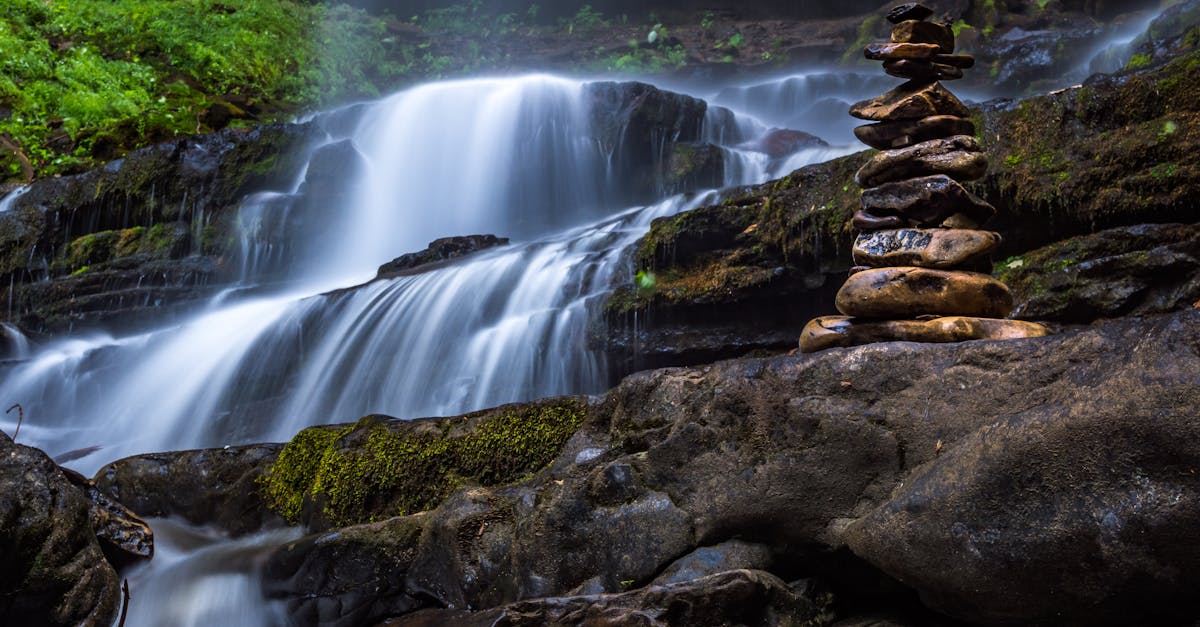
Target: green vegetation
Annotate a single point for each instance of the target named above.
(86, 80)
(374, 470)
(1138, 61)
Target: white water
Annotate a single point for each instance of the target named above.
(6, 202)
(512, 156)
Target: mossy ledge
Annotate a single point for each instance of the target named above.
(381, 467)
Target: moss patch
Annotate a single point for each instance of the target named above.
(379, 468)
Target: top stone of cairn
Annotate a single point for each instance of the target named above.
(909, 11)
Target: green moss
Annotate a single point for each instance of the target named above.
(1138, 61)
(868, 32)
(379, 469)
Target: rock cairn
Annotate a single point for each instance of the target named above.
(921, 261)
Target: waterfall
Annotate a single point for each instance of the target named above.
(7, 201)
(518, 157)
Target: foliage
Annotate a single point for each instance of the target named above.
(83, 78)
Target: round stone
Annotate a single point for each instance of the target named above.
(907, 292)
(926, 201)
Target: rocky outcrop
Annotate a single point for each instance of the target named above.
(145, 232)
(743, 275)
(213, 487)
(54, 571)
(1052, 471)
(440, 250)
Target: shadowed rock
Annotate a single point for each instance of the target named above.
(920, 32)
(957, 157)
(842, 331)
(910, 101)
(921, 70)
(909, 11)
(887, 135)
(927, 200)
(884, 52)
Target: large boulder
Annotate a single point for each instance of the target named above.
(54, 572)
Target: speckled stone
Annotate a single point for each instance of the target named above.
(926, 248)
(907, 292)
(958, 157)
(842, 331)
(910, 101)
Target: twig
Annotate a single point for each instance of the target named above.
(20, 418)
(6, 141)
(124, 602)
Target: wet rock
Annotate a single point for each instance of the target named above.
(736, 597)
(441, 250)
(885, 52)
(124, 537)
(710, 560)
(783, 142)
(695, 166)
(842, 331)
(217, 487)
(866, 221)
(887, 135)
(961, 61)
(910, 101)
(958, 157)
(906, 292)
(921, 70)
(1148, 268)
(909, 11)
(926, 248)
(927, 200)
(920, 32)
(350, 577)
(54, 572)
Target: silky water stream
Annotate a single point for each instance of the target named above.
(518, 157)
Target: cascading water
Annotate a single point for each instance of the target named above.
(518, 157)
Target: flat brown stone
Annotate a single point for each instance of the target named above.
(886, 51)
(961, 61)
(958, 157)
(919, 32)
(888, 135)
(906, 292)
(842, 331)
(910, 101)
(865, 221)
(926, 201)
(926, 248)
(922, 71)
(909, 11)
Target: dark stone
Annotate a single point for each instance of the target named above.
(710, 560)
(735, 597)
(1149, 268)
(926, 201)
(214, 487)
(784, 142)
(906, 292)
(889, 51)
(919, 32)
(959, 157)
(124, 537)
(350, 577)
(910, 101)
(888, 135)
(909, 11)
(922, 71)
(695, 166)
(866, 221)
(54, 571)
(441, 250)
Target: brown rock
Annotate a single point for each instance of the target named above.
(842, 331)
(888, 135)
(926, 201)
(958, 157)
(910, 101)
(909, 11)
(925, 248)
(963, 61)
(864, 221)
(124, 537)
(883, 52)
(904, 292)
(919, 32)
(922, 71)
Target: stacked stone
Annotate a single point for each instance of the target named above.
(922, 261)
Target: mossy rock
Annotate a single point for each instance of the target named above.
(381, 467)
